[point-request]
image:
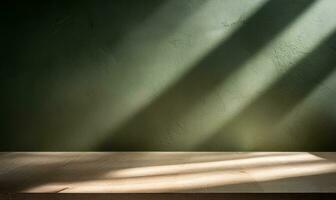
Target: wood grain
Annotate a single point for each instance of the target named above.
(167, 172)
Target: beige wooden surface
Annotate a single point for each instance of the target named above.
(92, 172)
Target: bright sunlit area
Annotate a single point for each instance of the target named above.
(135, 172)
(168, 96)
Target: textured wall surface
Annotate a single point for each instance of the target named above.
(231, 75)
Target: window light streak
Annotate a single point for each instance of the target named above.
(307, 165)
(246, 84)
(231, 164)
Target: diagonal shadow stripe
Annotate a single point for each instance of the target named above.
(271, 107)
(155, 122)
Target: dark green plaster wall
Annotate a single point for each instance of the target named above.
(224, 75)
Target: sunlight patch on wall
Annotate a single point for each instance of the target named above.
(248, 82)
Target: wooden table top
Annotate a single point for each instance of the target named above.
(161, 172)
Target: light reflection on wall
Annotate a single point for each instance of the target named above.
(77, 82)
(249, 81)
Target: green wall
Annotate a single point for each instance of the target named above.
(203, 75)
